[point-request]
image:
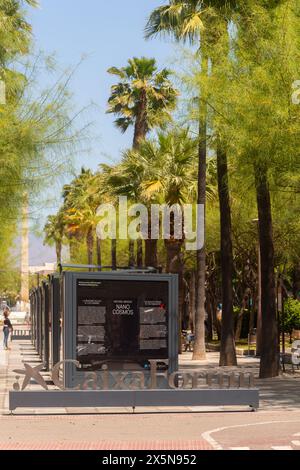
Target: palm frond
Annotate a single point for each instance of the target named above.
(150, 188)
(118, 72)
(138, 78)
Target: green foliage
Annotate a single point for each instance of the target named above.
(37, 131)
(241, 79)
(166, 167)
(15, 133)
(291, 315)
(10, 282)
(15, 31)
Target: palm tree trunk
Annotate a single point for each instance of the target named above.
(90, 245)
(174, 265)
(173, 249)
(114, 254)
(210, 323)
(192, 301)
(99, 252)
(296, 281)
(131, 254)
(213, 295)
(58, 249)
(150, 247)
(239, 323)
(252, 313)
(269, 364)
(200, 314)
(228, 354)
(140, 128)
(140, 253)
(140, 132)
(151, 253)
(73, 249)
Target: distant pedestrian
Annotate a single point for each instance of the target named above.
(189, 341)
(27, 318)
(219, 312)
(7, 329)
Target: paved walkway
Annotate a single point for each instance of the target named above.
(276, 425)
(280, 393)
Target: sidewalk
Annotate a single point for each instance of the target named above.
(280, 393)
(8, 360)
(277, 393)
(275, 424)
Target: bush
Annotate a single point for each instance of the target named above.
(291, 315)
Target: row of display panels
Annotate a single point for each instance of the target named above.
(45, 314)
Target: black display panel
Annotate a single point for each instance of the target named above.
(121, 323)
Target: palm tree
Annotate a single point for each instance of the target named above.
(170, 162)
(227, 349)
(143, 98)
(183, 20)
(166, 168)
(54, 233)
(194, 20)
(72, 231)
(84, 218)
(127, 179)
(269, 364)
(82, 198)
(218, 46)
(110, 187)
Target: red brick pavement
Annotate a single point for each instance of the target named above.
(107, 445)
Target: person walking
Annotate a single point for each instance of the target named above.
(7, 329)
(27, 318)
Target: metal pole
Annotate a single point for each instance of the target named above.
(280, 321)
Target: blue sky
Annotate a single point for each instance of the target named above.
(108, 33)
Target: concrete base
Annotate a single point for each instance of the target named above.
(133, 398)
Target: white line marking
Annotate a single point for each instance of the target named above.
(207, 437)
(297, 434)
(296, 443)
(239, 448)
(216, 446)
(281, 448)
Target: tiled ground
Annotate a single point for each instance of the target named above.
(108, 445)
(155, 428)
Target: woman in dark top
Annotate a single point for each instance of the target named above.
(7, 328)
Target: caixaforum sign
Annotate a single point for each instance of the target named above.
(114, 337)
(135, 380)
(108, 388)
